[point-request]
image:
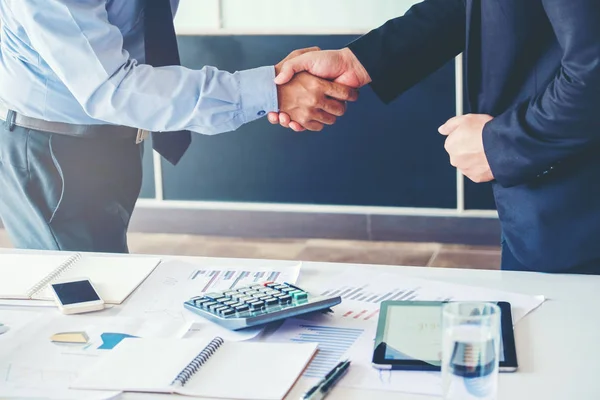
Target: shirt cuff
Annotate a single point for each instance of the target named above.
(258, 92)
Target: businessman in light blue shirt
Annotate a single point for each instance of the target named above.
(83, 82)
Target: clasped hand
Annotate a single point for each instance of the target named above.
(314, 86)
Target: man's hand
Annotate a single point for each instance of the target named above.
(340, 66)
(464, 144)
(314, 102)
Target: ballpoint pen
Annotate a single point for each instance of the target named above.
(322, 389)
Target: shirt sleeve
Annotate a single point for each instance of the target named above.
(81, 46)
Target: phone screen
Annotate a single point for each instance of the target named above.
(75, 292)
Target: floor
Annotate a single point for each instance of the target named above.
(388, 253)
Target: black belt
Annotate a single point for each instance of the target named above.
(13, 119)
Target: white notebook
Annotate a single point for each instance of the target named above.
(27, 276)
(200, 368)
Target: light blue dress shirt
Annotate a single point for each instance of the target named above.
(82, 62)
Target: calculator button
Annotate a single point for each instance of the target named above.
(241, 308)
(208, 304)
(280, 287)
(230, 302)
(271, 302)
(228, 312)
(256, 286)
(285, 299)
(265, 297)
(257, 305)
(272, 284)
(213, 307)
(199, 302)
(297, 295)
(215, 296)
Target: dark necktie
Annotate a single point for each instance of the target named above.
(161, 50)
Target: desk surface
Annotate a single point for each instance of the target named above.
(557, 345)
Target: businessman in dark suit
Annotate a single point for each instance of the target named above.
(533, 78)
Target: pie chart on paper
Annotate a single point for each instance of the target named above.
(111, 339)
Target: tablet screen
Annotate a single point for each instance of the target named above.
(410, 333)
(416, 334)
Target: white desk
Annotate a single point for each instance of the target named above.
(558, 345)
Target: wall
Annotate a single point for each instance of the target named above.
(378, 160)
(311, 16)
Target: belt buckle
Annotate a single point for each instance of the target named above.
(142, 135)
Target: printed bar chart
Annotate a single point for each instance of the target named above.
(214, 280)
(362, 314)
(333, 344)
(375, 294)
(362, 294)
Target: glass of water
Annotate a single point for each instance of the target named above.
(471, 347)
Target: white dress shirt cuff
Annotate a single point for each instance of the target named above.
(258, 92)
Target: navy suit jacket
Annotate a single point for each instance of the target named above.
(535, 66)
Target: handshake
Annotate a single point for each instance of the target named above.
(313, 87)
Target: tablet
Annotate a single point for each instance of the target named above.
(409, 336)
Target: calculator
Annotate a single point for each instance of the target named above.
(258, 304)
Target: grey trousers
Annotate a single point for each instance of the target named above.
(68, 193)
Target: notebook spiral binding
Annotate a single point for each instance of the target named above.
(193, 367)
(53, 275)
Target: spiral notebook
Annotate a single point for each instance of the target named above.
(26, 276)
(200, 368)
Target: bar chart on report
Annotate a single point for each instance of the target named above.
(229, 279)
(368, 294)
(361, 301)
(333, 342)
